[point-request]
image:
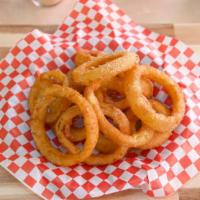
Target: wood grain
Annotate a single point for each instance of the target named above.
(161, 11)
(3, 51)
(27, 28)
(189, 194)
(188, 32)
(20, 12)
(23, 12)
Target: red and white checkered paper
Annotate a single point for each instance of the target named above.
(98, 24)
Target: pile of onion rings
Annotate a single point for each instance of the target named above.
(102, 108)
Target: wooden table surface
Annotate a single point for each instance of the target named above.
(177, 18)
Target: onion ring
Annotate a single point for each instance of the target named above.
(72, 84)
(77, 135)
(159, 137)
(44, 81)
(115, 152)
(138, 138)
(38, 127)
(140, 104)
(113, 92)
(132, 119)
(83, 56)
(159, 107)
(147, 87)
(65, 129)
(104, 145)
(104, 67)
(63, 125)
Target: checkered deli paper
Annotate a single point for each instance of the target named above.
(98, 25)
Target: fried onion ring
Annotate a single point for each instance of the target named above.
(62, 128)
(132, 119)
(38, 126)
(113, 92)
(147, 87)
(113, 151)
(104, 67)
(69, 82)
(83, 56)
(105, 104)
(159, 107)
(138, 138)
(44, 81)
(77, 135)
(104, 145)
(142, 107)
(159, 137)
